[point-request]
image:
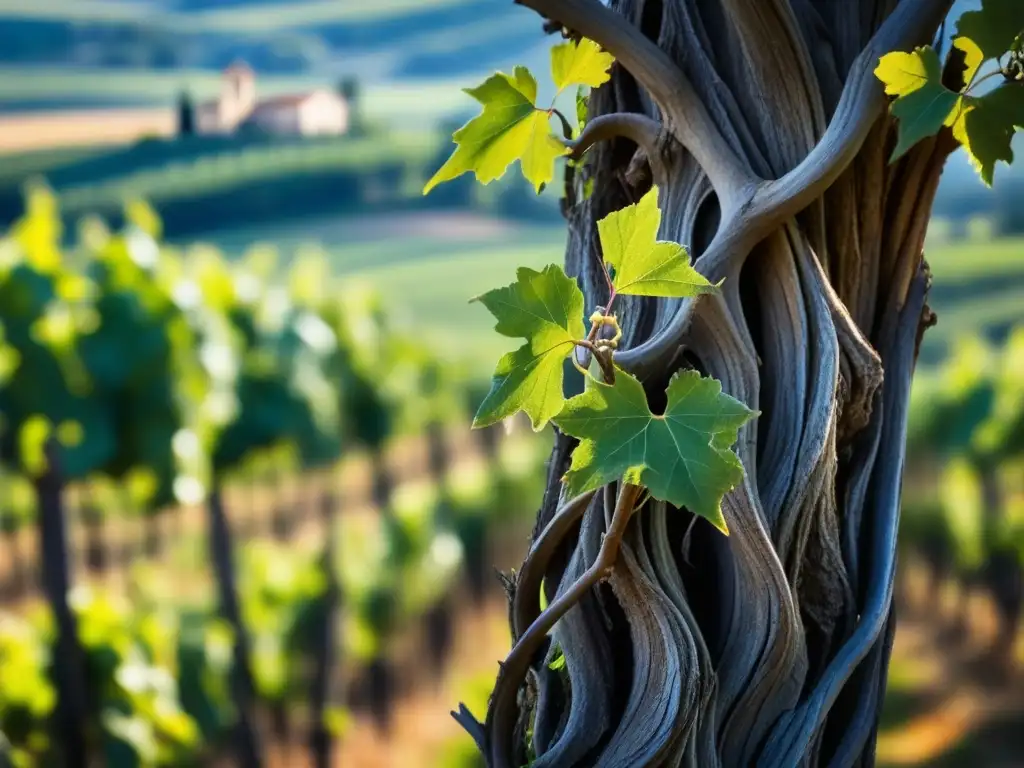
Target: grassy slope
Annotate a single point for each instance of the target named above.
(977, 286)
(15, 169)
(271, 16)
(431, 263)
(413, 57)
(140, 86)
(243, 166)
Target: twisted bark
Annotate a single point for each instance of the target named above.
(767, 133)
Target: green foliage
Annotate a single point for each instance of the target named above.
(968, 419)
(546, 309)
(641, 264)
(512, 127)
(994, 28)
(963, 509)
(923, 103)
(986, 127)
(580, 63)
(394, 573)
(27, 697)
(983, 124)
(130, 658)
(282, 594)
(146, 365)
(683, 456)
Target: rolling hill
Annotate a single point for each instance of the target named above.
(77, 50)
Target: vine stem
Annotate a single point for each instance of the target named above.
(988, 76)
(566, 125)
(526, 603)
(503, 710)
(602, 358)
(649, 135)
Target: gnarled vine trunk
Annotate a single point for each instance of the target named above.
(768, 647)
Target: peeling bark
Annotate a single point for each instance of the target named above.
(769, 647)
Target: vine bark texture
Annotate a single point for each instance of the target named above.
(767, 134)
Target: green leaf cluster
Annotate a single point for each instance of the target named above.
(683, 456)
(513, 127)
(983, 123)
(158, 368)
(546, 309)
(27, 696)
(639, 263)
(968, 417)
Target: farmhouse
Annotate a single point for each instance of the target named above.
(315, 113)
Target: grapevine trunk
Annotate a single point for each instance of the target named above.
(70, 716)
(247, 742)
(769, 647)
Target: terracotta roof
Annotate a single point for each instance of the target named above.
(288, 100)
(241, 67)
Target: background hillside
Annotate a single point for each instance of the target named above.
(412, 50)
(109, 209)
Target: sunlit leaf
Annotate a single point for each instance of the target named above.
(510, 128)
(643, 265)
(32, 444)
(142, 215)
(546, 309)
(580, 63)
(922, 103)
(70, 433)
(973, 57)
(582, 109)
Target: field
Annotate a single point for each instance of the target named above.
(227, 167)
(978, 286)
(412, 57)
(434, 262)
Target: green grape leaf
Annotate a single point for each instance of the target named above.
(510, 128)
(985, 127)
(546, 309)
(922, 103)
(683, 457)
(903, 73)
(558, 662)
(993, 28)
(580, 63)
(643, 265)
(582, 108)
(10, 358)
(32, 437)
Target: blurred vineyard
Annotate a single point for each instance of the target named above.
(242, 513)
(238, 506)
(963, 515)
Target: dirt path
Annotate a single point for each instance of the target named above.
(948, 703)
(948, 706)
(422, 723)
